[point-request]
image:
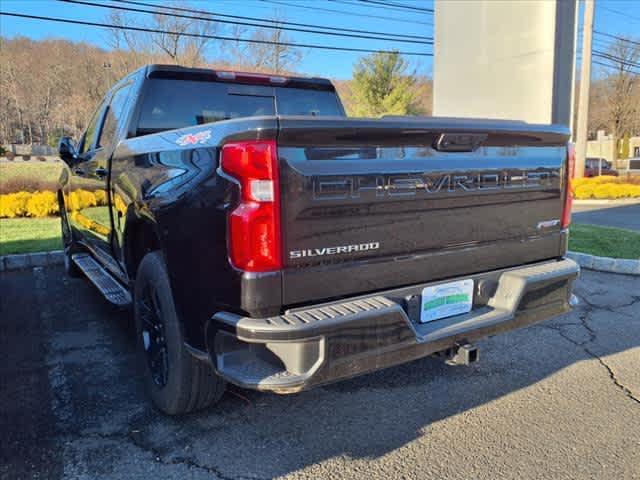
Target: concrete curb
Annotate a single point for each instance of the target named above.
(28, 260)
(592, 262)
(619, 201)
(606, 264)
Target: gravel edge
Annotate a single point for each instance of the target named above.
(592, 262)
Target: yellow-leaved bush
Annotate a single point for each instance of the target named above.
(42, 204)
(14, 204)
(45, 204)
(92, 225)
(603, 187)
(79, 199)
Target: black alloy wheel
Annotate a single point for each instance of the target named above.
(153, 335)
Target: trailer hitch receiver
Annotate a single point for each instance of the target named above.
(465, 354)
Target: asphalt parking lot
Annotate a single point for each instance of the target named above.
(616, 214)
(559, 400)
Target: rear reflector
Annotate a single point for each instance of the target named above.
(254, 225)
(568, 199)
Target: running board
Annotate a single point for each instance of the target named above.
(108, 286)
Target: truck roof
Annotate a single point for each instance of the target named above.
(178, 72)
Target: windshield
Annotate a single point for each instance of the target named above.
(170, 104)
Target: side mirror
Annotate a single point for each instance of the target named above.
(67, 150)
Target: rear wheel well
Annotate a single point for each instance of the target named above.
(141, 238)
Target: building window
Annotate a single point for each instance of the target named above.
(636, 151)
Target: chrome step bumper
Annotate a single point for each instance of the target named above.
(323, 343)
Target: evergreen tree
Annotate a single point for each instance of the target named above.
(382, 86)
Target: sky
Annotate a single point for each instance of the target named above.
(617, 17)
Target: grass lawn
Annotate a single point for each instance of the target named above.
(26, 235)
(98, 214)
(604, 241)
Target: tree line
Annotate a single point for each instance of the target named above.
(614, 100)
(51, 87)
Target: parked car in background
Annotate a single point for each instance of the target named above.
(633, 165)
(598, 166)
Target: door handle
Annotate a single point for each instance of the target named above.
(100, 172)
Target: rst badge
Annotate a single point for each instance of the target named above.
(320, 252)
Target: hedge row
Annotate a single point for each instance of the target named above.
(603, 187)
(45, 204)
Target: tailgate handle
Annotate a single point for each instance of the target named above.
(459, 142)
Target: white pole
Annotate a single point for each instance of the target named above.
(585, 84)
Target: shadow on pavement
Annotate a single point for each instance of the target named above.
(72, 383)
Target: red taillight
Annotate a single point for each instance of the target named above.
(254, 225)
(568, 198)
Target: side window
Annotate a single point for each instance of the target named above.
(90, 133)
(114, 117)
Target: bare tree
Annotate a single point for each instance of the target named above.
(272, 55)
(615, 98)
(174, 43)
(51, 87)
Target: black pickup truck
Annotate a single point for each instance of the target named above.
(265, 239)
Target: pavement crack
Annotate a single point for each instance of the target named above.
(592, 336)
(583, 316)
(610, 308)
(613, 377)
(132, 437)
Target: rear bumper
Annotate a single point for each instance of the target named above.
(315, 345)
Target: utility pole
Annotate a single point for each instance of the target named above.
(585, 84)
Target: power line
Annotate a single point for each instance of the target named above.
(360, 3)
(624, 14)
(615, 59)
(342, 12)
(295, 24)
(613, 67)
(274, 27)
(391, 5)
(616, 37)
(213, 37)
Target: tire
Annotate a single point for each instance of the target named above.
(69, 246)
(176, 380)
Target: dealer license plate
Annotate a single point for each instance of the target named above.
(446, 300)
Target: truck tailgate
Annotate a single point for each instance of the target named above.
(374, 204)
